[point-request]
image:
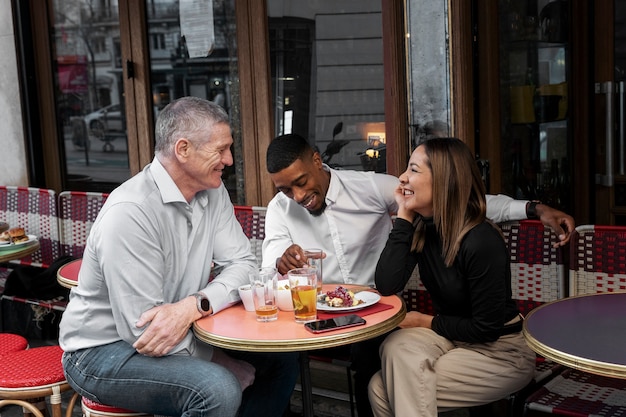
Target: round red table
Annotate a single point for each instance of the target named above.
(237, 329)
(67, 275)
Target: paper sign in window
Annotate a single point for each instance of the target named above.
(196, 25)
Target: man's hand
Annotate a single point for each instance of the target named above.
(291, 259)
(167, 324)
(563, 224)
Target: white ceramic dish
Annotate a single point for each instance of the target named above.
(283, 295)
(369, 298)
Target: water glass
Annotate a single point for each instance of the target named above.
(263, 286)
(303, 284)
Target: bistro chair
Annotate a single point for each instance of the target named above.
(95, 409)
(597, 264)
(252, 221)
(537, 277)
(34, 209)
(30, 376)
(77, 212)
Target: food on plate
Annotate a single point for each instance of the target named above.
(341, 297)
(18, 234)
(5, 237)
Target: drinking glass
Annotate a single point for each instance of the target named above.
(263, 286)
(314, 259)
(303, 284)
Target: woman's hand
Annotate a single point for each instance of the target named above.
(416, 319)
(403, 212)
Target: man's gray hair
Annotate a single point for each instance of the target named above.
(187, 117)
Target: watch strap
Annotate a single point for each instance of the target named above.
(531, 209)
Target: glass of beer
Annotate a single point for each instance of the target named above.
(314, 259)
(303, 284)
(263, 286)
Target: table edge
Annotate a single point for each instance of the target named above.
(296, 345)
(566, 359)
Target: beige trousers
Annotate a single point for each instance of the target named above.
(423, 373)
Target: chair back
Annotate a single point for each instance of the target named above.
(77, 212)
(597, 259)
(34, 209)
(252, 220)
(537, 269)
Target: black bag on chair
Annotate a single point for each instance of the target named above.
(31, 320)
(37, 283)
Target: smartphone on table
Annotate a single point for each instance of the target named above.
(340, 322)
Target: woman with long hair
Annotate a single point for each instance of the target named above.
(472, 351)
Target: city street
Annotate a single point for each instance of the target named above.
(105, 161)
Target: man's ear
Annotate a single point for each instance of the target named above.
(182, 148)
(317, 159)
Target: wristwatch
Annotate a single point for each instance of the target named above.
(203, 304)
(531, 209)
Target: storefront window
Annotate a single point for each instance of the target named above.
(327, 78)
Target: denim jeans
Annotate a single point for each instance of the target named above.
(179, 385)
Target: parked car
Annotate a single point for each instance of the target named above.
(105, 121)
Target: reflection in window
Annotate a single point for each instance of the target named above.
(327, 78)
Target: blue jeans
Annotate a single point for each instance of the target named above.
(177, 385)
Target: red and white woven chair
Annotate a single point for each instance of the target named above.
(597, 264)
(252, 220)
(95, 409)
(30, 376)
(77, 212)
(34, 209)
(537, 277)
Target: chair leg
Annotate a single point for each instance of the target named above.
(350, 391)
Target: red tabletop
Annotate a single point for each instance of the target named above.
(586, 332)
(237, 329)
(67, 275)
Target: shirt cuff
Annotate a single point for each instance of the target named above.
(517, 209)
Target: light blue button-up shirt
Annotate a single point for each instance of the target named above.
(149, 247)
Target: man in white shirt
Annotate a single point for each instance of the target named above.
(348, 214)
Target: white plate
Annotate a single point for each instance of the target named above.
(31, 239)
(369, 298)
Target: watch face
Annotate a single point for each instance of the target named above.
(204, 304)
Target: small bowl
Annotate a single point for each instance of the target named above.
(245, 293)
(283, 295)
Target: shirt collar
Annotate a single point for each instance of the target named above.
(334, 186)
(170, 193)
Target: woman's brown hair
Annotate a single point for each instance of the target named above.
(458, 194)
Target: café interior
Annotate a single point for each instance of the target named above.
(534, 87)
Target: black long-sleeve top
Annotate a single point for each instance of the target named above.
(472, 298)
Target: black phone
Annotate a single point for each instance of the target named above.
(321, 326)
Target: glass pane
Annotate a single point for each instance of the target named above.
(327, 78)
(89, 93)
(203, 63)
(534, 75)
(429, 69)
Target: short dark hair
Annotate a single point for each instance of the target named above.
(284, 150)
